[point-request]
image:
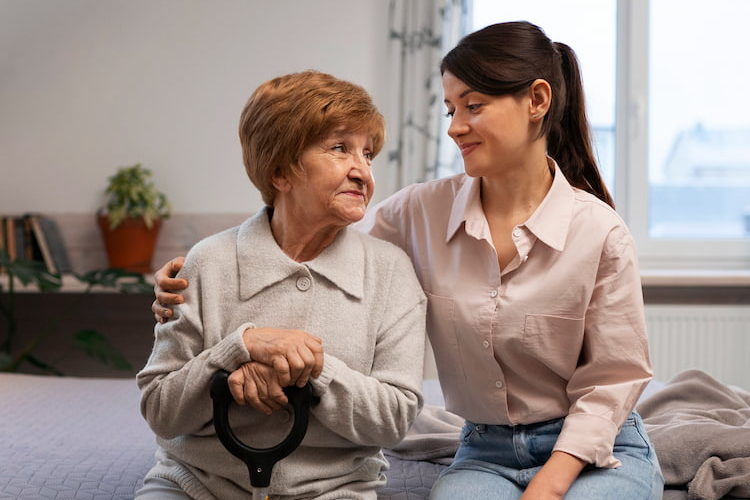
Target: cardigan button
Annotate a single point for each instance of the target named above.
(304, 283)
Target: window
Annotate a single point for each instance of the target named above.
(699, 147)
(664, 86)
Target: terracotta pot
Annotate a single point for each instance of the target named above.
(131, 245)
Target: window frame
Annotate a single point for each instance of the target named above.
(631, 158)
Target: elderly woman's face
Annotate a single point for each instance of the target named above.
(337, 182)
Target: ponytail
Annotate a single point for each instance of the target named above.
(569, 138)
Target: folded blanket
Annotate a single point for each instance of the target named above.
(433, 437)
(700, 429)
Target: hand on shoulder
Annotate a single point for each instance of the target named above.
(166, 288)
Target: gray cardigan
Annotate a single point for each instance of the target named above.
(360, 295)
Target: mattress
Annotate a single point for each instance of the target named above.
(84, 438)
(71, 438)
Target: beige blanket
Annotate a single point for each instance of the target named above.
(700, 429)
(433, 437)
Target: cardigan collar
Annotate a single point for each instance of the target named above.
(261, 262)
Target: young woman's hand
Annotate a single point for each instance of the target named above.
(295, 355)
(554, 478)
(166, 285)
(257, 385)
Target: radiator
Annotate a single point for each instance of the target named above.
(715, 339)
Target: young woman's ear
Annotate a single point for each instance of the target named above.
(540, 94)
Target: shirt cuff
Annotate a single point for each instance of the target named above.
(590, 438)
(231, 352)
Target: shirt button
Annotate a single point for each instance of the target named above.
(486, 344)
(493, 293)
(499, 384)
(304, 283)
(516, 233)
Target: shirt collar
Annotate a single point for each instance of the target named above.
(551, 219)
(549, 222)
(262, 263)
(467, 207)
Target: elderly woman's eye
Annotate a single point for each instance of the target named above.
(339, 147)
(369, 155)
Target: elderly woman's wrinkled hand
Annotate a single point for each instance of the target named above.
(295, 355)
(257, 385)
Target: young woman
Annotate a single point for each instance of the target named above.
(535, 310)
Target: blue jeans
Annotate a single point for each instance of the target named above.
(498, 461)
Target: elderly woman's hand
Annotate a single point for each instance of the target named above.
(295, 355)
(257, 384)
(166, 283)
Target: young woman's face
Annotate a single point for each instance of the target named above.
(492, 132)
(336, 184)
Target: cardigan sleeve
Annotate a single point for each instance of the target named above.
(378, 408)
(174, 383)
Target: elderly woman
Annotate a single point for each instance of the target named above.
(292, 294)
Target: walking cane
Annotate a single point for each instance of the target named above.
(259, 461)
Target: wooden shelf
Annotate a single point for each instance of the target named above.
(70, 284)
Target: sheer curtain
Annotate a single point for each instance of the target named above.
(421, 32)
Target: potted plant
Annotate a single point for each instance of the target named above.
(131, 219)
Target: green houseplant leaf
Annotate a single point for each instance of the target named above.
(97, 346)
(131, 193)
(92, 342)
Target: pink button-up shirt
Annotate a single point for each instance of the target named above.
(560, 332)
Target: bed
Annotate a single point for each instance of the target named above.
(83, 438)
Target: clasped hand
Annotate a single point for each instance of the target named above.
(279, 358)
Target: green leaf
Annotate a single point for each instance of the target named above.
(27, 271)
(44, 366)
(123, 281)
(96, 345)
(6, 362)
(132, 194)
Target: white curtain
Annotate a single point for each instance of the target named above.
(421, 32)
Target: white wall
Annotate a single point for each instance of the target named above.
(87, 86)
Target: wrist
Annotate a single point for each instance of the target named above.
(248, 339)
(559, 473)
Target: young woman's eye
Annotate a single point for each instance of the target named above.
(449, 113)
(473, 107)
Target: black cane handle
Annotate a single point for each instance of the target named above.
(259, 461)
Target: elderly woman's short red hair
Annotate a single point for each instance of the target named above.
(287, 114)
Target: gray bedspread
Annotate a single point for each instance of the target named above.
(84, 439)
(76, 438)
(700, 429)
(71, 438)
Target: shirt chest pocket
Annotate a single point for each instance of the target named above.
(555, 340)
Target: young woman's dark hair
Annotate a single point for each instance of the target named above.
(504, 59)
